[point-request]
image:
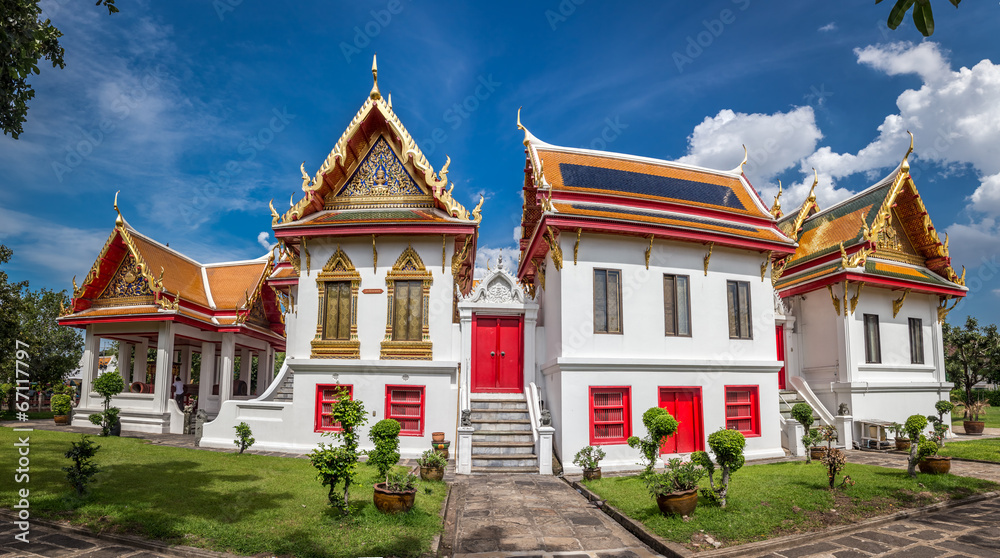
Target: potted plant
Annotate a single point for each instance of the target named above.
(929, 461)
(899, 432)
(432, 466)
(589, 458)
(676, 489)
(974, 409)
(108, 385)
(397, 494)
(810, 439)
(61, 407)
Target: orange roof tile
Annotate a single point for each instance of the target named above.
(180, 275)
(231, 284)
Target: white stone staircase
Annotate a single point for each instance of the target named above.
(788, 399)
(502, 441)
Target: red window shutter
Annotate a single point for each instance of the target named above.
(742, 410)
(405, 404)
(326, 397)
(610, 415)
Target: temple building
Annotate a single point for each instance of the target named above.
(640, 283)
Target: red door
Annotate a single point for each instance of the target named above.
(779, 334)
(496, 352)
(684, 403)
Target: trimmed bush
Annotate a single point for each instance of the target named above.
(82, 472)
(108, 385)
(659, 425)
(61, 404)
(727, 445)
(914, 426)
(803, 413)
(339, 464)
(244, 436)
(589, 457)
(385, 436)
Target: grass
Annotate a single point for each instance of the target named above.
(246, 504)
(987, 449)
(991, 416)
(32, 415)
(772, 500)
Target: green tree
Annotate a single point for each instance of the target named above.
(24, 40)
(972, 355)
(923, 17)
(55, 349)
(659, 425)
(338, 464)
(10, 305)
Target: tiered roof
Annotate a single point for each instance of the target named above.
(135, 278)
(595, 191)
(882, 235)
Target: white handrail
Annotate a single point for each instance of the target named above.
(534, 411)
(806, 392)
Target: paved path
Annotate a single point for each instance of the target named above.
(530, 515)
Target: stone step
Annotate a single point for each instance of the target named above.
(500, 414)
(499, 404)
(522, 460)
(494, 436)
(506, 424)
(502, 448)
(525, 470)
(519, 396)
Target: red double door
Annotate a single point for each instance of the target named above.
(497, 347)
(684, 403)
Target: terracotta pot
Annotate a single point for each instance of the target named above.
(61, 419)
(592, 474)
(388, 501)
(817, 452)
(431, 473)
(973, 427)
(437, 436)
(934, 465)
(442, 452)
(902, 444)
(678, 503)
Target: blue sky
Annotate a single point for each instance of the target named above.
(201, 112)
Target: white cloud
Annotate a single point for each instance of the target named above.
(264, 239)
(489, 255)
(924, 59)
(832, 26)
(65, 251)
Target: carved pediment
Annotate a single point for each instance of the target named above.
(894, 244)
(380, 178)
(127, 286)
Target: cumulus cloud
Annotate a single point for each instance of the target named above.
(832, 26)
(490, 255)
(264, 239)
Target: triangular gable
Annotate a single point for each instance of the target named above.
(380, 178)
(127, 286)
(119, 276)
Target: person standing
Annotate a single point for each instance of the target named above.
(179, 392)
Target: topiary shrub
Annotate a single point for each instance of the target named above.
(803, 413)
(385, 436)
(659, 425)
(61, 404)
(926, 448)
(914, 426)
(727, 445)
(82, 471)
(338, 464)
(589, 457)
(108, 385)
(244, 436)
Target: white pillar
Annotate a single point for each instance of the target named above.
(206, 378)
(125, 362)
(794, 432)
(141, 361)
(464, 465)
(245, 359)
(269, 363)
(226, 367)
(91, 350)
(545, 449)
(164, 366)
(845, 430)
(185, 364)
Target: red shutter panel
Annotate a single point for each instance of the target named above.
(326, 398)
(742, 412)
(610, 415)
(405, 404)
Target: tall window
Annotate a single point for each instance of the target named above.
(742, 410)
(610, 415)
(607, 301)
(677, 305)
(405, 404)
(916, 341)
(326, 398)
(738, 295)
(873, 348)
(408, 318)
(337, 319)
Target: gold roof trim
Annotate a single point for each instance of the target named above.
(244, 311)
(536, 162)
(436, 181)
(807, 206)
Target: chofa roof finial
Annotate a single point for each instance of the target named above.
(812, 189)
(375, 94)
(905, 165)
(119, 221)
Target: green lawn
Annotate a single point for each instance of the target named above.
(245, 504)
(777, 499)
(987, 449)
(32, 415)
(991, 417)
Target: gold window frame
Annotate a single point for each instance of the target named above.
(408, 267)
(338, 268)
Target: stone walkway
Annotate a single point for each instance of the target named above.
(530, 515)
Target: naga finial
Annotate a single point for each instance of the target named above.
(443, 174)
(521, 127)
(305, 177)
(905, 165)
(390, 99)
(119, 221)
(274, 214)
(746, 157)
(812, 189)
(291, 200)
(477, 212)
(75, 288)
(776, 206)
(375, 94)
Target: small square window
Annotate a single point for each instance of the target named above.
(743, 410)
(405, 404)
(610, 415)
(326, 398)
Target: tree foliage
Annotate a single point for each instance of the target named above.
(56, 349)
(915, 424)
(10, 310)
(972, 354)
(24, 40)
(923, 16)
(338, 464)
(82, 471)
(107, 385)
(727, 445)
(659, 425)
(244, 436)
(385, 436)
